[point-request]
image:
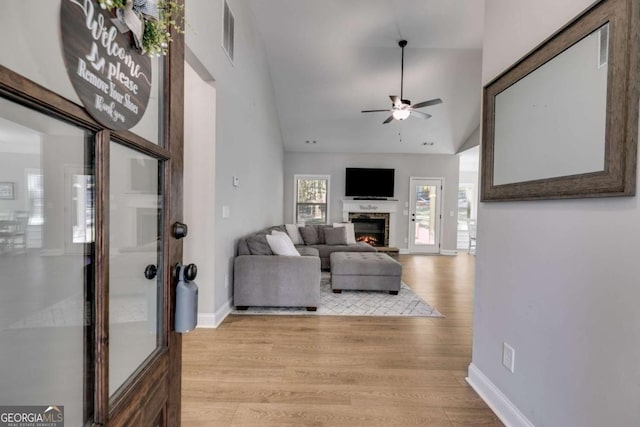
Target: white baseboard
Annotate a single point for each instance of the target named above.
(508, 413)
(449, 252)
(213, 320)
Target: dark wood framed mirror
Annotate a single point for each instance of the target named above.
(562, 122)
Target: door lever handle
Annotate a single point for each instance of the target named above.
(150, 271)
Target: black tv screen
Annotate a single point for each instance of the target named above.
(366, 182)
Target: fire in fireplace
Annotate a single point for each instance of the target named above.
(371, 229)
(372, 240)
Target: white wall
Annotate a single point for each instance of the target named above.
(199, 178)
(557, 280)
(248, 140)
(406, 165)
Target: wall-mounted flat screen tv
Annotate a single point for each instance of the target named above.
(369, 182)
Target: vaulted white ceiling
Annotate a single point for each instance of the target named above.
(330, 59)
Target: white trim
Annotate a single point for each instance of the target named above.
(296, 177)
(448, 252)
(213, 320)
(508, 413)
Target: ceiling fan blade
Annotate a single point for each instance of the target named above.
(428, 103)
(395, 100)
(373, 111)
(420, 114)
(388, 120)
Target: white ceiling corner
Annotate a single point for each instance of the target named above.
(330, 59)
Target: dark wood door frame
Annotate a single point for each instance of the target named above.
(154, 392)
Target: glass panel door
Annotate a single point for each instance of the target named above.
(46, 290)
(425, 215)
(135, 293)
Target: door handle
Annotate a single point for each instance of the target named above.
(180, 230)
(190, 271)
(150, 271)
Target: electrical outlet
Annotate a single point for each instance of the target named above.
(508, 357)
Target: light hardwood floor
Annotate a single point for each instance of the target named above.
(342, 371)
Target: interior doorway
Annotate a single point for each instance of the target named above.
(199, 180)
(467, 198)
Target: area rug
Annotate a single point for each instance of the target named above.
(356, 303)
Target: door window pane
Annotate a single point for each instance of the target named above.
(37, 56)
(135, 315)
(46, 291)
(425, 215)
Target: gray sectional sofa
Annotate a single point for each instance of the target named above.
(267, 280)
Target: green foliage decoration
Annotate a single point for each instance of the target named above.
(157, 33)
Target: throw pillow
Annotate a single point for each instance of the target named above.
(351, 234)
(294, 234)
(309, 235)
(321, 229)
(335, 236)
(281, 244)
(258, 245)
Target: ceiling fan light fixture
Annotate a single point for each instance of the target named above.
(401, 114)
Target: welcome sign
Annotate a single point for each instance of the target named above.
(112, 80)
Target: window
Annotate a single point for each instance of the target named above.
(227, 31)
(311, 199)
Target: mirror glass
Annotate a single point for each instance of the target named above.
(551, 123)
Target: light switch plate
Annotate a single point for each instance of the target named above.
(226, 212)
(236, 181)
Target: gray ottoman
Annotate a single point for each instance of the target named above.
(369, 271)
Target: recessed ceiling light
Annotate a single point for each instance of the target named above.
(429, 143)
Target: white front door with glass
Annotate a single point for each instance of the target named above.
(425, 215)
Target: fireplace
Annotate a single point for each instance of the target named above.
(371, 228)
(355, 210)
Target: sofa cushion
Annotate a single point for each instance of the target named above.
(258, 245)
(351, 235)
(309, 234)
(294, 233)
(269, 230)
(281, 244)
(307, 251)
(321, 233)
(335, 236)
(243, 248)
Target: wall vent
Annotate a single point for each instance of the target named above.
(228, 31)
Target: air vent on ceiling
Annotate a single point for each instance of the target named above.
(227, 31)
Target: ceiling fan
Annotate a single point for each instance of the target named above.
(401, 108)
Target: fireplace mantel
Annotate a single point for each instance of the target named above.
(373, 206)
